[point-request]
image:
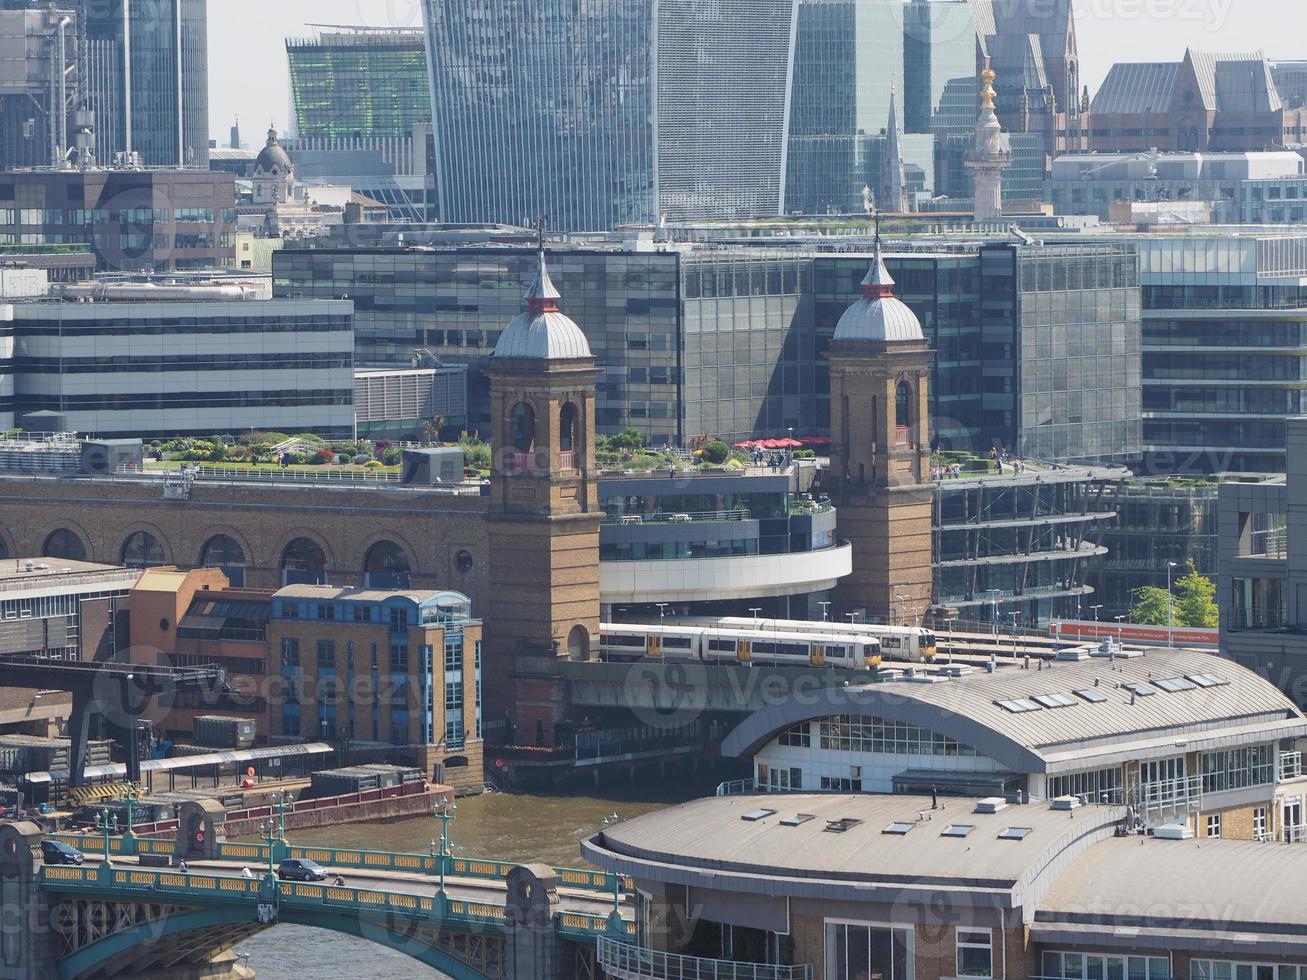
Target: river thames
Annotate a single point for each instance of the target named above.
(509, 827)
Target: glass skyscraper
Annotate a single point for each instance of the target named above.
(148, 84)
(848, 59)
(600, 115)
(359, 83)
(940, 87)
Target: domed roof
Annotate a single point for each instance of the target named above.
(542, 333)
(273, 157)
(879, 316)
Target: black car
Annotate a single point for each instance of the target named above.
(301, 869)
(57, 852)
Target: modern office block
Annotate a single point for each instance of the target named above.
(598, 116)
(939, 67)
(40, 82)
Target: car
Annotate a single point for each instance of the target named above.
(57, 852)
(301, 869)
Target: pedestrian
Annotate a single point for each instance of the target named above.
(181, 866)
(246, 873)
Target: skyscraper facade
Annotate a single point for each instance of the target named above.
(359, 83)
(848, 60)
(939, 67)
(148, 84)
(605, 115)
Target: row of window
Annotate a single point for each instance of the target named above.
(868, 734)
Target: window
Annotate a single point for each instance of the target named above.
(290, 651)
(870, 734)
(399, 658)
(1014, 833)
(856, 950)
(1092, 696)
(835, 784)
(1228, 970)
(326, 655)
(1259, 823)
(957, 830)
(1018, 705)
(799, 736)
(1174, 684)
(975, 953)
(1097, 785)
(398, 619)
(898, 828)
(1213, 825)
(453, 693)
(1226, 769)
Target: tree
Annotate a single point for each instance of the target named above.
(1196, 604)
(1151, 607)
(716, 452)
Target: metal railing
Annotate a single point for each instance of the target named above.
(1185, 793)
(737, 787)
(689, 517)
(628, 961)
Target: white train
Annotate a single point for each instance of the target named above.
(730, 645)
(911, 643)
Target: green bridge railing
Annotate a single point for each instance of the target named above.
(203, 889)
(345, 858)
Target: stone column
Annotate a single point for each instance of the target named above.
(534, 949)
(27, 946)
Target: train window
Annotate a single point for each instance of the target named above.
(837, 651)
(764, 648)
(891, 641)
(678, 642)
(623, 640)
(722, 646)
(793, 649)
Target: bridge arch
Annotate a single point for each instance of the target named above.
(195, 935)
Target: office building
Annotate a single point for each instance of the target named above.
(147, 80)
(1206, 101)
(39, 84)
(60, 263)
(1262, 587)
(412, 404)
(359, 83)
(848, 61)
(1290, 79)
(154, 359)
(134, 220)
(607, 116)
(939, 67)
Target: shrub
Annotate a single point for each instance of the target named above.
(391, 456)
(716, 452)
(324, 456)
(629, 439)
(362, 459)
(373, 464)
(296, 459)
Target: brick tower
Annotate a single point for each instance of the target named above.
(880, 452)
(544, 515)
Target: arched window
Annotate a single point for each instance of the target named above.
(386, 566)
(568, 428)
(142, 550)
(63, 543)
(223, 551)
(523, 422)
(578, 643)
(303, 563)
(903, 405)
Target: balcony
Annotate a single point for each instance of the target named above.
(627, 962)
(567, 462)
(902, 435)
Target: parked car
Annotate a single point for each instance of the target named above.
(301, 869)
(57, 852)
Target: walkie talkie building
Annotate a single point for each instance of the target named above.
(601, 114)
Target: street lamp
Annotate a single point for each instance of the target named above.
(825, 611)
(1170, 608)
(662, 612)
(1095, 610)
(1119, 629)
(993, 603)
(615, 918)
(755, 610)
(444, 811)
(106, 823)
(1015, 616)
(948, 625)
(281, 802)
(268, 832)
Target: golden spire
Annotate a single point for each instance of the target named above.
(987, 94)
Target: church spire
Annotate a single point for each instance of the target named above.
(878, 283)
(893, 190)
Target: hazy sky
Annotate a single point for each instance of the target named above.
(247, 60)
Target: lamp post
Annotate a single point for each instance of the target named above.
(948, 626)
(993, 608)
(825, 611)
(903, 614)
(444, 811)
(268, 832)
(662, 612)
(1119, 629)
(1170, 608)
(129, 836)
(282, 802)
(1095, 610)
(615, 917)
(106, 823)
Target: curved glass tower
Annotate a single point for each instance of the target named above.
(613, 113)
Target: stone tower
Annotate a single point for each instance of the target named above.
(893, 193)
(880, 452)
(274, 173)
(990, 153)
(544, 514)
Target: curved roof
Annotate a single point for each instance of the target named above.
(1242, 710)
(542, 332)
(273, 157)
(879, 316)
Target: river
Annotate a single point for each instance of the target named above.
(509, 827)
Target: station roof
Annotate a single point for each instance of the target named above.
(1032, 720)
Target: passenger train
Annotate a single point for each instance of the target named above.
(912, 643)
(734, 645)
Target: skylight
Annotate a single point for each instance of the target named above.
(1054, 700)
(1174, 684)
(1018, 705)
(899, 827)
(958, 830)
(1140, 688)
(1208, 680)
(1014, 833)
(755, 815)
(1092, 696)
(797, 819)
(841, 825)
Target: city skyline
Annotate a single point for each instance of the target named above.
(256, 88)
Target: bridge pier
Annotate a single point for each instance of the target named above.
(535, 951)
(27, 943)
(201, 827)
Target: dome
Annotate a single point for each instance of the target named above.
(542, 333)
(273, 158)
(879, 316)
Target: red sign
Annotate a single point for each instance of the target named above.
(1181, 636)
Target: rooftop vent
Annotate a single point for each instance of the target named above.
(841, 825)
(991, 804)
(1066, 803)
(753, 816)
(1073, 654)
(798, 819)
(1173, 831)
(1116, 653)
(955, 670)
(1014, 833)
